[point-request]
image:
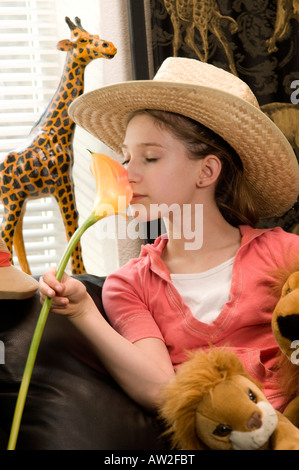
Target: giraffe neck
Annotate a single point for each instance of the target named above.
(56, 117)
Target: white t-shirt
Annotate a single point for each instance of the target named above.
(205, 293)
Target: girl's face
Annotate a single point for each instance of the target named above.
(159, 169)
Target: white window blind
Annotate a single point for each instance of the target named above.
(29, 75)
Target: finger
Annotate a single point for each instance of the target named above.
(45, 290)
(50, 285)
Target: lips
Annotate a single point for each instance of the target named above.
(136, 198)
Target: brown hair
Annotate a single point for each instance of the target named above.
(232, 193)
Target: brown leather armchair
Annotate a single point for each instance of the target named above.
(72, 403)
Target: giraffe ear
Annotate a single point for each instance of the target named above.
(65, 45)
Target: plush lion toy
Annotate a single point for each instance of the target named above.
(285, 327)
(213, 403)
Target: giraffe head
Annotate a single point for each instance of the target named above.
(85, 47)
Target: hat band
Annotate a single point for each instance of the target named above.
(4, 259)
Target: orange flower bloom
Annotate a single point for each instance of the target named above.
(113, 190)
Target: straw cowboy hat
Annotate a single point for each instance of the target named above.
(14, 283)
(215, 98)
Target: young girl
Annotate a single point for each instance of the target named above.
(193, 138)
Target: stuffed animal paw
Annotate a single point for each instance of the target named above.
(212, 403)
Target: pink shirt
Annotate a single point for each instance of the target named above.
(141, 302)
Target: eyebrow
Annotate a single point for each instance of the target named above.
(145, 144)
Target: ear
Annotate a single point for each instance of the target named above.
(65, 45)
(209, 171)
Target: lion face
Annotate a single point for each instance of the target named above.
(213, 403)
(285, 319)
(235, 415)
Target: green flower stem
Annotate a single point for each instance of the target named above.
(39, 331)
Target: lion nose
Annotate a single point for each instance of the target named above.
(255, 421)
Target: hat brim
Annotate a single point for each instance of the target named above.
(270, 165)
(15, 284)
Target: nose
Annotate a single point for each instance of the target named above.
(134, 174)
(255, 421)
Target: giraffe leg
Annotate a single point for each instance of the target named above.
(18, 244)
(191, 42)
(177, 39)
(13, 213)
(67, 205)
(217, 30)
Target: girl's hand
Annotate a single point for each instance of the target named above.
(69, 295)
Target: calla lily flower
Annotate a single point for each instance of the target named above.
(113, 191)
(113, 195)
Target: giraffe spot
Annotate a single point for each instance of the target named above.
(62, 131)
(41, 141)
(25, 179)
(39, 183)
(30, 187)
(6, 179)
(60, 159)
(36, 162)
(33, 174)
(44, 172)
(11, 218)
(57, 123)
(5, 201)
(21, 159)
(28, 166)
(16, 184)
(64, 168)
(11, 158)
(9, 169)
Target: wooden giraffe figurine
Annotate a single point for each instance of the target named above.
(42, 166)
